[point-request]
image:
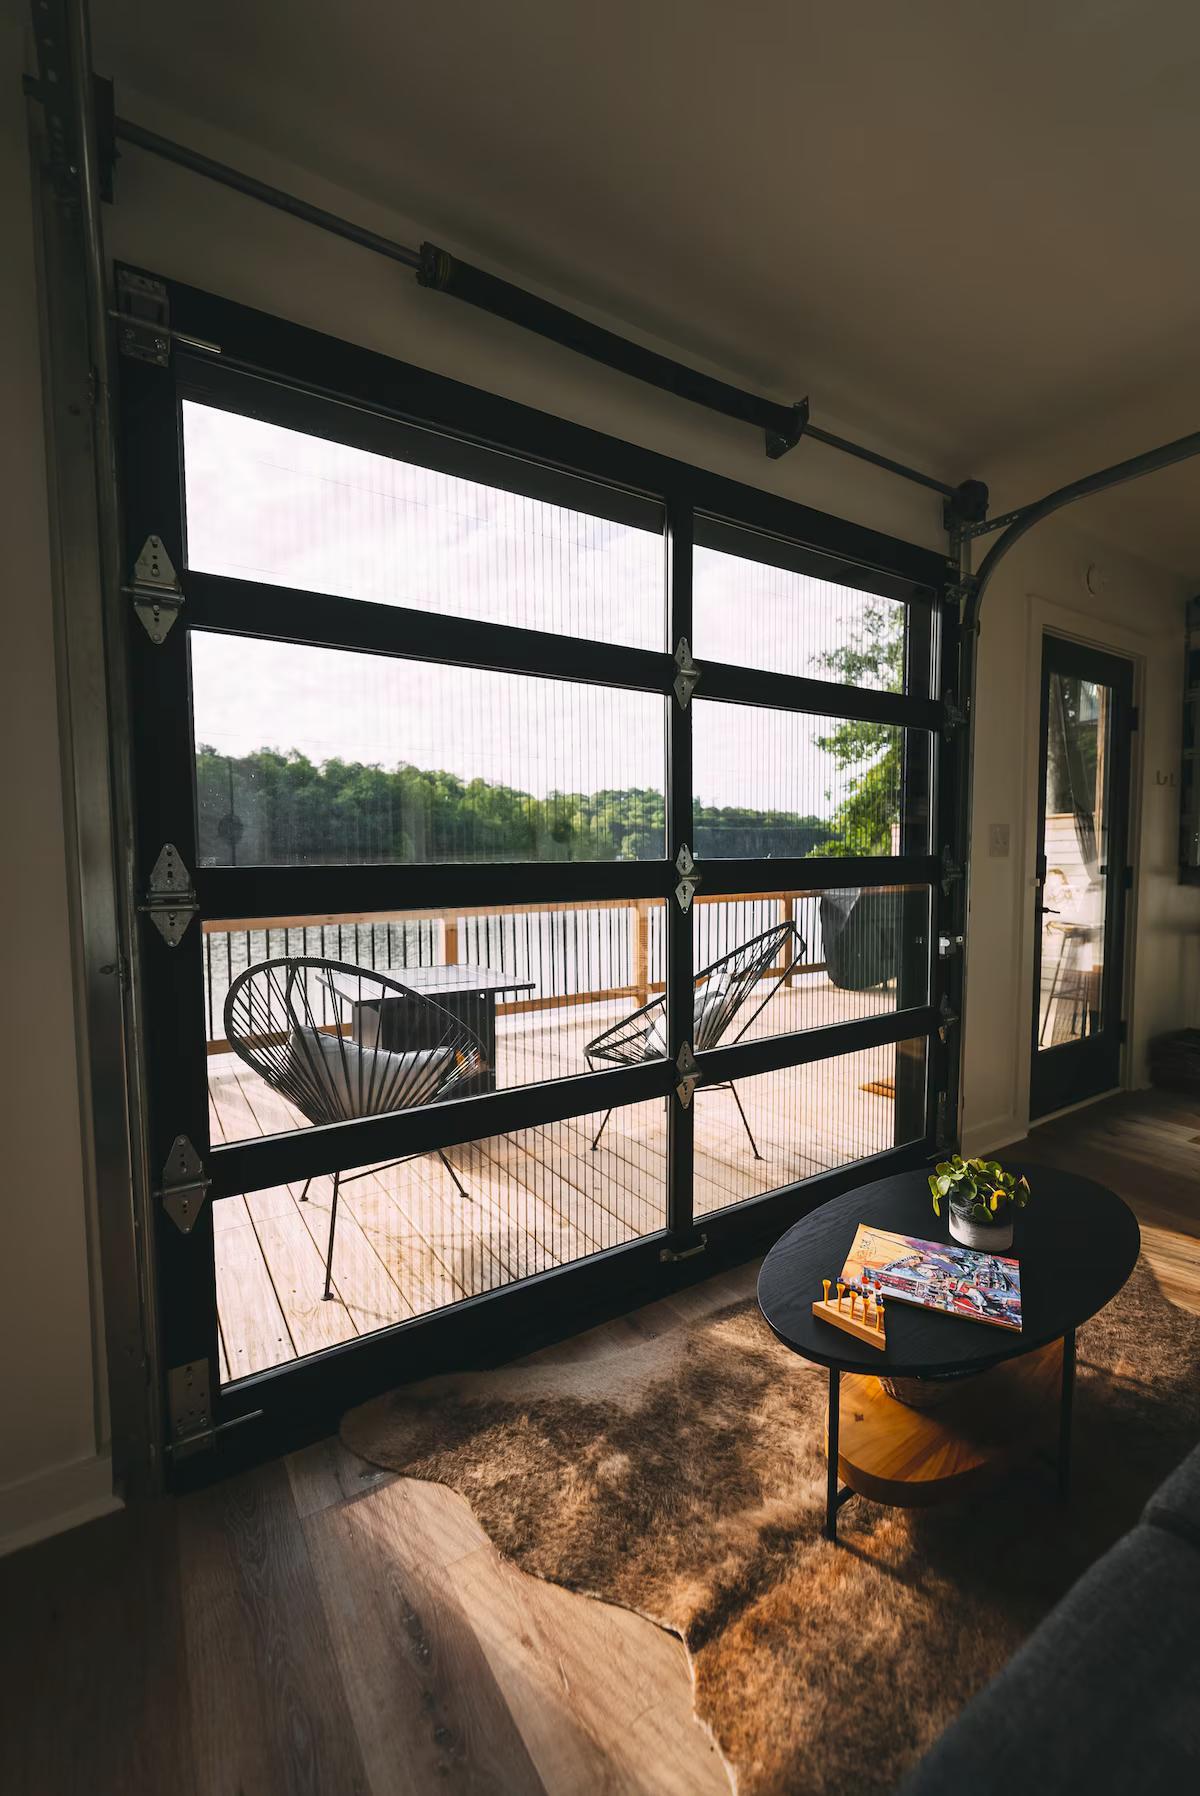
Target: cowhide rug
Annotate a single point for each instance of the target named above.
(683, 1477)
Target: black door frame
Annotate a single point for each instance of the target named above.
(271, 368)
(1075, 1071)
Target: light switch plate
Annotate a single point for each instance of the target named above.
(998, 839)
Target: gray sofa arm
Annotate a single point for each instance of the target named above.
(1105, 1694)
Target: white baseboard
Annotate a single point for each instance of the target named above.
(986, 1137)
(63, 1497)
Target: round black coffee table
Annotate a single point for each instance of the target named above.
(1076, 1243)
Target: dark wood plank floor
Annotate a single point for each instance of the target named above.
(317, 1626)
(1145, 1145)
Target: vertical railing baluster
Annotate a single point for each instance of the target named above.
(641, 950)
(208, 996)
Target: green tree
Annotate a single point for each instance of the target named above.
(870, 753)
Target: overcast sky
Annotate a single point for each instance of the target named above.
(270, 504)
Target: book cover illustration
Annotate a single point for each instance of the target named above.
(936, 1275)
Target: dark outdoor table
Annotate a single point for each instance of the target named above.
(1076, 1243)
(468, 993)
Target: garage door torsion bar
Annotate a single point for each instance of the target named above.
(783, 425)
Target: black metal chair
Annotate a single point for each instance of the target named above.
(722, 990)
(277, 1021)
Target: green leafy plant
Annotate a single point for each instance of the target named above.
(980, 1190)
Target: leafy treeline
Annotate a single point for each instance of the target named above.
(273, 807)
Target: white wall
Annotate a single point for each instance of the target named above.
(175, 224)
(1138, 612)
(51, 1460)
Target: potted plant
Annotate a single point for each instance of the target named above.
(982, 1199)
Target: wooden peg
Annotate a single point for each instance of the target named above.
(848, 1318)
(825, 1288)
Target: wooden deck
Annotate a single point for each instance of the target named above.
(406, 1241)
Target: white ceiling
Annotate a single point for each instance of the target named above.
(968, 230)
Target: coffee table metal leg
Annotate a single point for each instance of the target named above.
(831, 1485)
(1066, 1404)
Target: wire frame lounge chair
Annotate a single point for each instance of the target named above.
(723, 991)
(329, 1038)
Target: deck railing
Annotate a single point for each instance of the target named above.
(573, 953)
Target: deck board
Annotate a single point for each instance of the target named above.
(255, 1332)
(407, 1243)
(297, 1268)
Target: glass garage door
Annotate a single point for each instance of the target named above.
(552, 888)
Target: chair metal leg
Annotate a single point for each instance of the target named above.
(737, 1100)
(462, 1190)
(304, 1193)
(1051, 1000)
(332, 1226)
(601, 1129)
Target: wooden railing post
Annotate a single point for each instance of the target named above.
(788, 906)
(641, 950)
(450, 939)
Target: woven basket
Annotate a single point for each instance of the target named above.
(925, 1393)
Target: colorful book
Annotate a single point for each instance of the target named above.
(935, 1275)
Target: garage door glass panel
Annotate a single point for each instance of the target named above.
(779, 1128)
(753, 610)
(428, 1232)
(310, 756)
(265, 503)
(776, 963)
(791, 783)
(313, 1020)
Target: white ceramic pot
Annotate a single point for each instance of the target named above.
(985, 1237)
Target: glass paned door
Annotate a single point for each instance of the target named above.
(1082, 833)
